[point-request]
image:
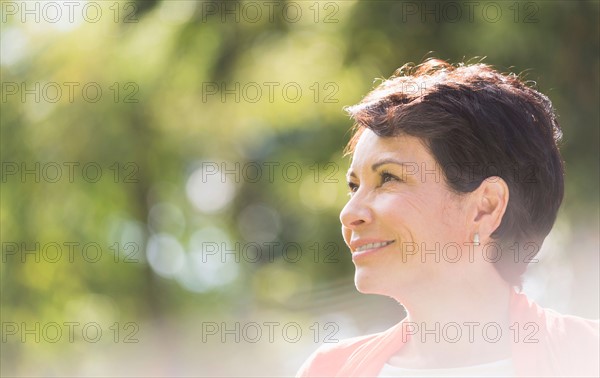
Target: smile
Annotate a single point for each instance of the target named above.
(373, 246)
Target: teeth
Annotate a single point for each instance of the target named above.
(373, 246)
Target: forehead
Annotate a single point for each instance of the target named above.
(372, 148)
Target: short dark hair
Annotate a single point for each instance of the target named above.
(472, 119)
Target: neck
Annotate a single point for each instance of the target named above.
(456, 321)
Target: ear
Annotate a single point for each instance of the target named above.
(490, 201)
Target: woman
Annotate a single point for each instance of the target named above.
(455, 181)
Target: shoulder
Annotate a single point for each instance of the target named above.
(568, 343)
(555, 324)
(574, 343)
(329, 359)
(572, 331)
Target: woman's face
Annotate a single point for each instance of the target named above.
(405, 228)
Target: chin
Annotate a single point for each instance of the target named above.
(380, 282)
(366, 282)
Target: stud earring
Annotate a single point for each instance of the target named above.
(476, 238)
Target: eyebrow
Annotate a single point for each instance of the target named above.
(379, 164)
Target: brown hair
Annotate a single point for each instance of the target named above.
(478, 123)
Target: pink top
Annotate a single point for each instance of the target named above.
(567, 346)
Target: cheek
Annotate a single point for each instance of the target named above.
(396, 206)
(405, 212)
(347, 234)
(421, 205)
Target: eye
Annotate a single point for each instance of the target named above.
(387, 176)
(352, 188)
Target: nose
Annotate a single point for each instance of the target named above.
(355, 213)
